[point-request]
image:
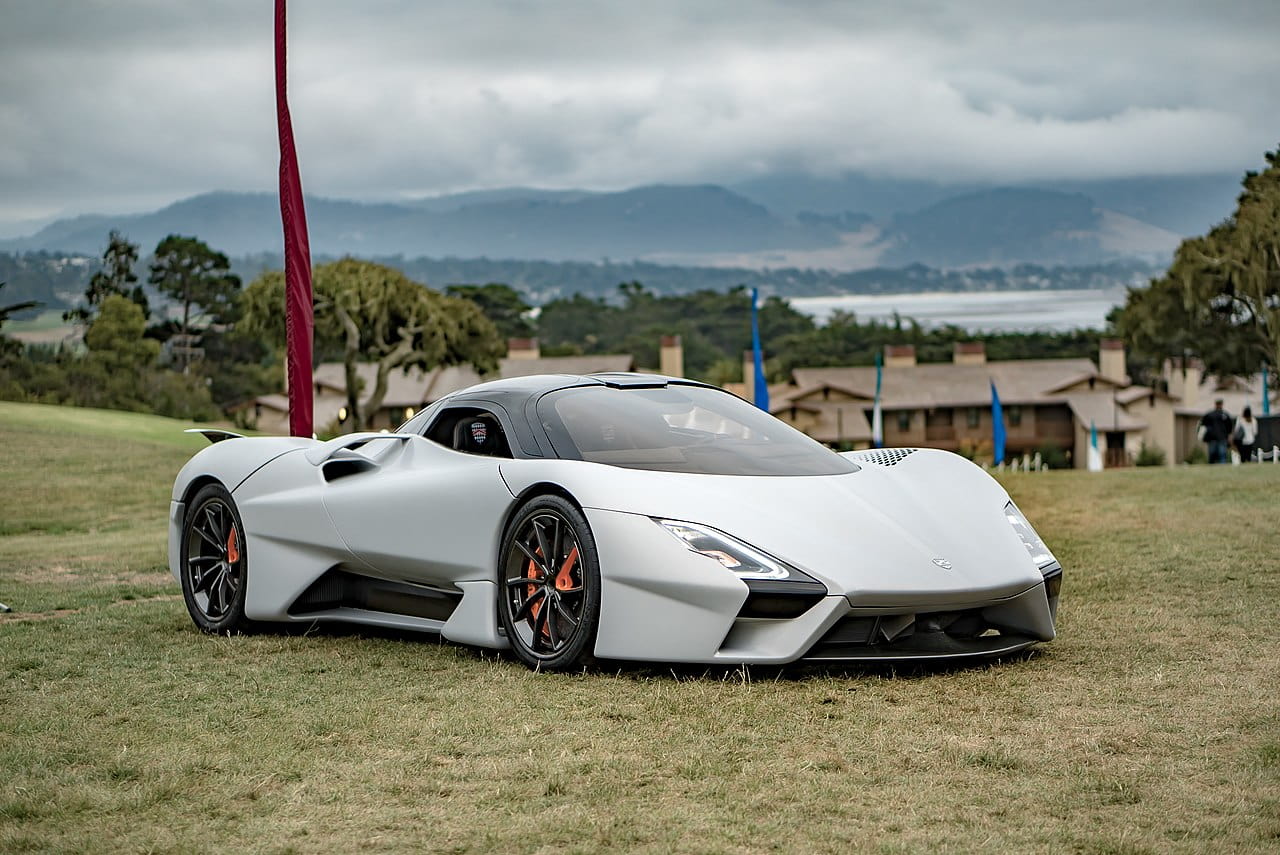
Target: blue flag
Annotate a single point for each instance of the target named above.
(997, 425)
(761, 398)
(1094, 463)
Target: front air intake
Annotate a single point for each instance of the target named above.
(910, 636)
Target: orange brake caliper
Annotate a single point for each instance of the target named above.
(564, 579)
(563, 582)
(233, 547)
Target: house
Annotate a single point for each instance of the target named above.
(1049, 405)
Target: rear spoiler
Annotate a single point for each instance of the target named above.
(213, 434)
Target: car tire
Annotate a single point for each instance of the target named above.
(214, 563)
(550, 610)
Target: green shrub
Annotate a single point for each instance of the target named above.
(1053, 456)
(1150, 455)
(1197, 454)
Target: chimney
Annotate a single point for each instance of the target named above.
(523, 348)
(899, 355)
(970, 353)
(1111, 361)
(1183, 377)
(671, 356)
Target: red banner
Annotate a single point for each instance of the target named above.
(299, 321)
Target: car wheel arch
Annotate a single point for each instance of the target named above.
(197, 484)
(533, 491)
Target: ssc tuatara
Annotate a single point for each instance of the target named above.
(613, 516)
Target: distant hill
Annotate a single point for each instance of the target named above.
(1183, 204)
(454, 201)
(512, 224)
(998, 227)
(848, 223)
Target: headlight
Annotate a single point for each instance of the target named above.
(1039, 553)
(746, 561)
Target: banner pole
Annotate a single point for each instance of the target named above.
(299, 313)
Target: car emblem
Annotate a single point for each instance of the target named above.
(479, 432)
(943, 563)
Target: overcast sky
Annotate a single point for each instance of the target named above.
(126, 105)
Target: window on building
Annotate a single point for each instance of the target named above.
(974, 417)
(938, 418)
(904, 420)
(1015, 416)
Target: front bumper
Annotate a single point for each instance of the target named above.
(836, 630)
(662, 603)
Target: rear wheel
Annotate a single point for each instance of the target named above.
(549, 585)
(214, 562)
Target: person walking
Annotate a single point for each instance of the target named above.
(1215, 431)
(1246, 435)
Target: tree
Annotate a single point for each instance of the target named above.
(501, 304)
(714, 326)
(195, 276)
(377, 314)
(116, 370)
(115, 278)
(1220, 299)
(115, 337)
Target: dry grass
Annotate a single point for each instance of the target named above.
(1151, 724)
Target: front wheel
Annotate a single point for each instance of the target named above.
(214, 562)
(549, 585)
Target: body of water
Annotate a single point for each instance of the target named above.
(980, 311)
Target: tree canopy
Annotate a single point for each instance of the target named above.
(376, 314)
(714, 326)
(1220, 299)
(195, 276)
(501, 304)
(116, 278)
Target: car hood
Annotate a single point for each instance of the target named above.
(929, 530)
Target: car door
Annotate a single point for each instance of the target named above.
(415, 510)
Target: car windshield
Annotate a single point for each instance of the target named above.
(680, 428)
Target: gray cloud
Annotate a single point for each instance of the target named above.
(128, 104)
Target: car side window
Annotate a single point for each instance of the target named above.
(470, 430)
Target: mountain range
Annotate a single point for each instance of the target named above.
(847, 223)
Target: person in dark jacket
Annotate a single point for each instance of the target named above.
(1215, 430)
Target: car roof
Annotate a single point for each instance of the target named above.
(535, 385)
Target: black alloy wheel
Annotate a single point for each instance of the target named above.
(549, 585)
(214, 562)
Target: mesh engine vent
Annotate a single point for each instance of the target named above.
(885, 456)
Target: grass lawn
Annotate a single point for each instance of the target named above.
(1151, 724)
(49, 319)
(48, 327)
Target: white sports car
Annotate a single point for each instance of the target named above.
(613, 516)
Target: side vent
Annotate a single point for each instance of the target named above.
(343, 467)
(884, 456)
(341, 589)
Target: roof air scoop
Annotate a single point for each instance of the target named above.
(630, 381)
